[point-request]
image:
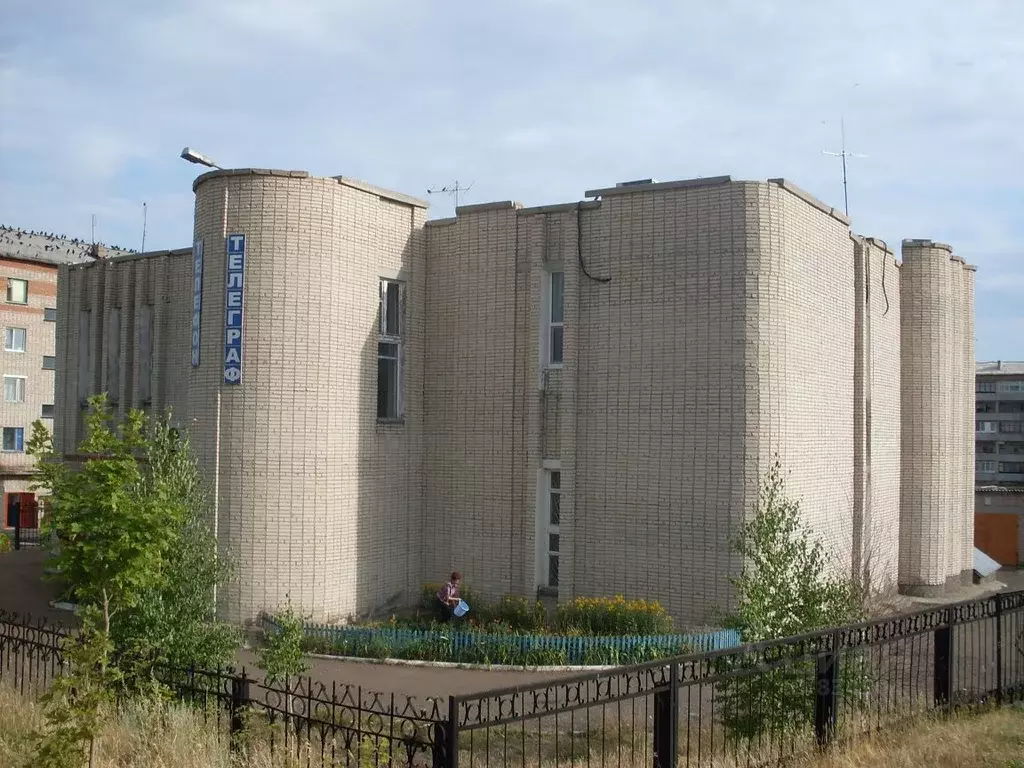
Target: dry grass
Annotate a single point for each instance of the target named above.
(175, 737)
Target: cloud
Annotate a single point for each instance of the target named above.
(537, 101)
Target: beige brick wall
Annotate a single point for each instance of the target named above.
(937, 317)
(729, 322)
(16, 468)
(317, 501)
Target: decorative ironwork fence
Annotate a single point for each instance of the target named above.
(755, 704)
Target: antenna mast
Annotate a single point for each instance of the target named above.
(94, 229)
(451, 190)
(143, 228)
(843, 154)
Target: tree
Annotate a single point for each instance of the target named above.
(786, 587)
(134, 537)
(114, 528)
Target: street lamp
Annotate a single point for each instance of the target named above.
(198, 158)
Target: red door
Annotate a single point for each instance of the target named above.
(29, 511)
(20, 509)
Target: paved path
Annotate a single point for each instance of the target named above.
(22, 589)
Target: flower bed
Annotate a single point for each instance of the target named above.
(518, 632)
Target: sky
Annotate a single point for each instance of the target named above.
(535, 100)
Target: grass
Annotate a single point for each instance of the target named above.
(172, 736)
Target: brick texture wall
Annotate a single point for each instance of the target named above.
(16, 468)
(937, 314)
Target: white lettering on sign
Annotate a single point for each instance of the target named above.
(197, 298)
(234, 309)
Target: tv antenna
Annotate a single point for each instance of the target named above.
(451, 190)
(843, 154)
(143, 228)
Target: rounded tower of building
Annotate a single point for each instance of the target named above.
(934, 398)
(316, 497)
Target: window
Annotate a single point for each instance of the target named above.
(389, 350)
(14, 389)
(17, 291)
(985, 426)
(550, 529)
(985, 407)
(986, 467)
(985, 447)
(113, 342)
(1011, 467)
(14, 440)
(1011, 386)
(49, 363)
(14, 339)
(985, 387)
(554, 318)
(46, 412)
(50, 314)
(84, 354)
(1009, 426)
(1011, 448)
(1012, 406)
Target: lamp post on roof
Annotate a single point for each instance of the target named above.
(198, 158)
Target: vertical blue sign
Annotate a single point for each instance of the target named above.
(233, 309)
(197, 298)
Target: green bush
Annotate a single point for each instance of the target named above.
(613, 616)
(5, 544)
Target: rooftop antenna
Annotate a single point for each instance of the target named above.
(843, 154)
(452, 190)
(94, 229)
(143, 228)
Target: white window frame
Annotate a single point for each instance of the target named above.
(985, 387)
(11, 282)
(545, 528)
(8, 339)
(15, 449)
(986, 467)
(991, 430)
(1010, 387)
(393, 335)
(23, 388)
(548, 325)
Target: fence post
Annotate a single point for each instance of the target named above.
(666, 722)
(446, 738)
(943, 678)
(827, 695)
(17, 531)
(239, 700)
(999, 649)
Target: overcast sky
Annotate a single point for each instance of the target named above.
(536, 100)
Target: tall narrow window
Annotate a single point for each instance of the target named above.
(555, 317)
(17, 291)
(145, 353)
(551, 529)
(14, 389)
(113, 354)
(14, 339)
(84, 354)
(389, 350)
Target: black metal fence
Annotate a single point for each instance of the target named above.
(751, 705)
(23, 537)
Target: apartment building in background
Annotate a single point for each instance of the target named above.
(28, 315)
(565, 400)
(999, 460)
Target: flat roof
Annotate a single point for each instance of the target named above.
(1000, 368)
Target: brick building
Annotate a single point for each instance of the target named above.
(568, 400)
(28, 313)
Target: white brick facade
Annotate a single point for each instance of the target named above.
(708, 325)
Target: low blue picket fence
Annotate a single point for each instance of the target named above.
(575, 648)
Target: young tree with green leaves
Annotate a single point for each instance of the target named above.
(787, 586)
